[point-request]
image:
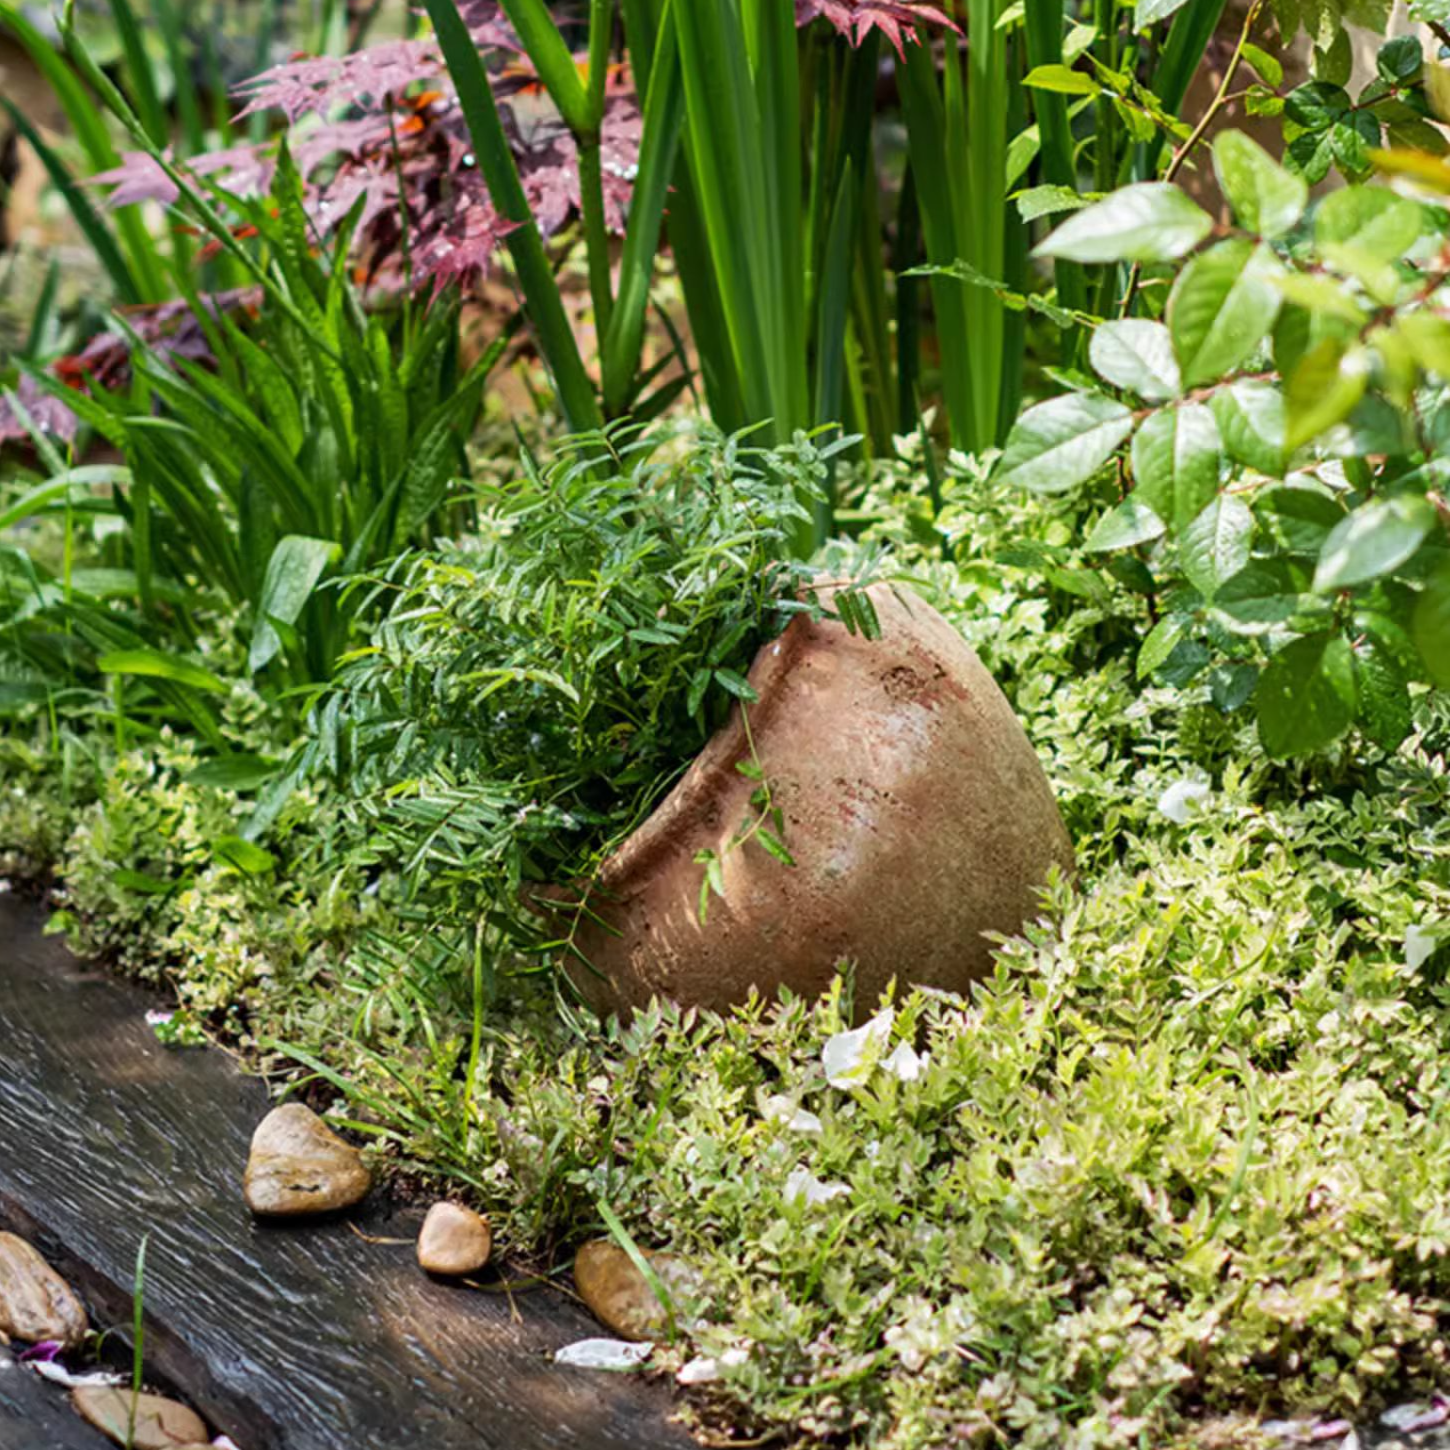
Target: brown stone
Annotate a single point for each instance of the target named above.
(914, 806)
(620, 1296)
(454, 1240)
(298, 1165)
(160, 1424)
(35, 1302)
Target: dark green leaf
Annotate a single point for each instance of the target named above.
(159, 665)
(736, 684)
(1317, 105)
(233, 772)
(1250, 418)
(1306, 698)
(1131, 523)
(1383, 695)
(1266, 199)
(1221, 308)
(1323, 390)
(1260, 597)
(247, 857)
(1137, 355)
(1430, 627)
(1215, 546)
(1374, 540)
(1299, 518)
(1230, 686)
(1399, 60)
(1061, 443)
(295, 567)
(1162, 640)
(775, 846)
(1152, 221)
(1176, 463)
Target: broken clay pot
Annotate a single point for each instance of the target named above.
(914, 807)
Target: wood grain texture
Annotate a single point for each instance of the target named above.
(292, 1337)
(35, 1415)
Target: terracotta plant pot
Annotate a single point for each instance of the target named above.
(914, 807)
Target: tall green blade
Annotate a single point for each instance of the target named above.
(496, 163)
(659, 145)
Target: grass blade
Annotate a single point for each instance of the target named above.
(663, 117)
(496, 162)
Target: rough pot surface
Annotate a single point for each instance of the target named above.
(915, 809)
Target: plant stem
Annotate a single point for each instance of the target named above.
(1175, 164)
(1216, 105)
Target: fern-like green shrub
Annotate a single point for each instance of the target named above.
(530, 695)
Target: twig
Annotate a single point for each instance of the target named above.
(1175, 165)
(374, 1239)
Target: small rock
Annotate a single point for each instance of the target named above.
(620, 1296)
(454, 1240)
(298, 1165)
(160, 1424)
(35, 1302)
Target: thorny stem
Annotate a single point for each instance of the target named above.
(1210, 113)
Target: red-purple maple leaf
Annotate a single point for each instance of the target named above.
(897, 20)
(47, 413)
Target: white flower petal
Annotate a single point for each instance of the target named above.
(1420, 945)
(906, 1062)
(51, 1370)
(1181, 798)
(699, 1371)
(783, 1110)
(615, 1354)
(804, 1187)
(850, 1056)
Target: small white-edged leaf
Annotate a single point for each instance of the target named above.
(906, 1063)
(1182, 798)
(787, 1113)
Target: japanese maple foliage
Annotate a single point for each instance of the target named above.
(381, 130)
(384, 125)
(897, 20)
